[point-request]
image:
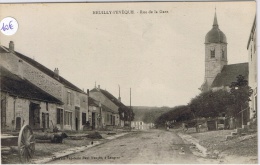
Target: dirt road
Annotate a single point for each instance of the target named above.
(153, 146)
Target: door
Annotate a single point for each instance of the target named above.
(34, 115)
(77, 123)
(93, 120)
(43, 121)
(77, 117)
(18, 123)
(48, 120)
(3, 114)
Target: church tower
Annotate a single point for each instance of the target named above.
(215, 54)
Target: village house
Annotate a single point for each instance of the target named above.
(111, 105)
(24, 103)
(252, 63)
(94, 111)
(140, 125)
(99, 114)
(71, 112)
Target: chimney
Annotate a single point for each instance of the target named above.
(11, 46)
(56, 73)
(88, 92)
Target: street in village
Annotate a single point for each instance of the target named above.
(126, 92)
(167, 147)
(151, 146)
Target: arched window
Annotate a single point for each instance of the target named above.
(223, 54)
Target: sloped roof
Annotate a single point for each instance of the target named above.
(109, 96)
(16, 86)
(105, 108)
(252, 32)
(92, 102)
(47, 71)
(229, 74)
(3, 50)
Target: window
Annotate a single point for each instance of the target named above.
(84, 118)
(68, 118)
(59, 116)
(107, 117)
(212, 53)
(223, 54)
(69, 98)
(251, 53)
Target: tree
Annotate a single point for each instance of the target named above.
(177, 114)
(210, 104)
(126, 114)
(240, 93)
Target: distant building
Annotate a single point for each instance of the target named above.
(140, 125)
(252, 60)
(112, 105)
(99, 114)
(70, 115)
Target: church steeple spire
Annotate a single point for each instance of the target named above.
(215, 23)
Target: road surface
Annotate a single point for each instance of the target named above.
(149, 147)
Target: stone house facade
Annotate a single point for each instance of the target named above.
(252, 61)
(24, 103)
(69, 115)
(110, 106)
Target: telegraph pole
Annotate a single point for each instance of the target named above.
(130, 110)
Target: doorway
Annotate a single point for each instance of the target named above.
(43, 121)
(77, 118)
(18, 123)
(93, 120)
(34, 115)
(77, 123)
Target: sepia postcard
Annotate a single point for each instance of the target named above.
(129, 83)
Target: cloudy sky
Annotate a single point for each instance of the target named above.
(160, 56)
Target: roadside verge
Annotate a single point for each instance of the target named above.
(63, 153)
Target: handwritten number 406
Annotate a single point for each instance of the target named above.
(7, 26)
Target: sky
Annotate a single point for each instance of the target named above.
(160, 56)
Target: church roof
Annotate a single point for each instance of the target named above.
(229, 73)
(47, 71)
(215, 35)
(16, 86)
